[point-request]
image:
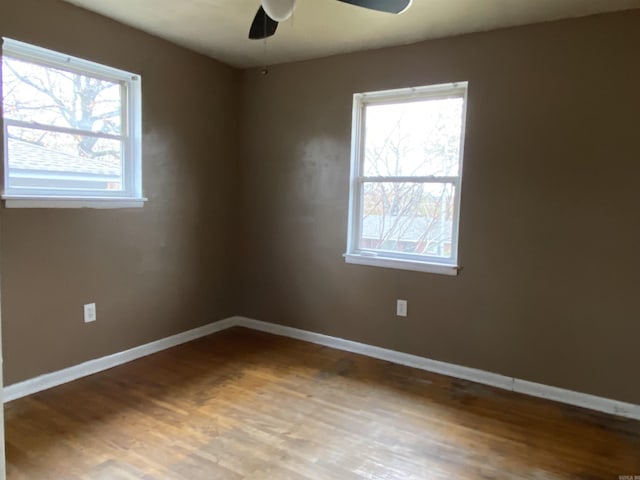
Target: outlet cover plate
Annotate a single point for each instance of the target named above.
(90, 312)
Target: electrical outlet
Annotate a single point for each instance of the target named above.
(90, 312)
(401, 308)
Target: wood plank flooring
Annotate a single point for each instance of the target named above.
(247, 405)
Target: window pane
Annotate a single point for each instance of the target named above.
(50, 96)
(419, 138)
(414, 218)
(41, 159)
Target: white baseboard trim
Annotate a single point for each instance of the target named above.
(50, 380)
(592, 402)
(570, 397)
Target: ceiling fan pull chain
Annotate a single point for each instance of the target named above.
(264, 70)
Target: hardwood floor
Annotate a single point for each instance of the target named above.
(247, 405)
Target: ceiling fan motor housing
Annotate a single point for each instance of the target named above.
(279, 10)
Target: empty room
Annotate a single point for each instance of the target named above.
(320, 239)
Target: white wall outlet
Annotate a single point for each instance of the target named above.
(90, 312)
(401, 308)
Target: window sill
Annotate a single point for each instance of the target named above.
(386, 262)
(17, 201)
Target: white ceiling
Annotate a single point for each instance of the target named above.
(219, 28)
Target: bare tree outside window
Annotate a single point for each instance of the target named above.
(76, 118)
(403, 141)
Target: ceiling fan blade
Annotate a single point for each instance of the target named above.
(388, 6)
(263, 26)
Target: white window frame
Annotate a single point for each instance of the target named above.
(131, 136)
(399, 260)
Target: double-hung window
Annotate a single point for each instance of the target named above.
(71, 131)
(406, 172)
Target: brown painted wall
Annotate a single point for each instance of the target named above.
(154, 271)
(549, 228)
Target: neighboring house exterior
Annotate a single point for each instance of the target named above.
(430, 236)
(35, 166)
